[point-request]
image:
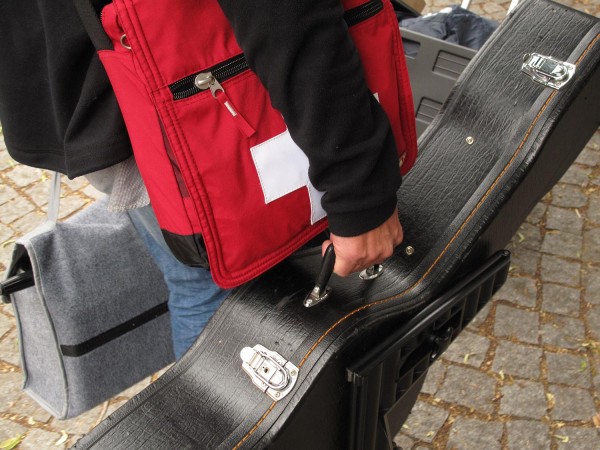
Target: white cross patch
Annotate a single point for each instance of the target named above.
(282, 168)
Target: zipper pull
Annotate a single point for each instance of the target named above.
(206, 80)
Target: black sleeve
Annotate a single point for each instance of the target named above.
(303, 54)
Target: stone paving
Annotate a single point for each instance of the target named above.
(524, 375)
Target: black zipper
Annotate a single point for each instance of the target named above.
(233, 66)
(363, 12)
(186, 87)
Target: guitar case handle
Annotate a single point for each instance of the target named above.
(321, 291)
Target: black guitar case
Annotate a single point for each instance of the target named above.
(346, 371)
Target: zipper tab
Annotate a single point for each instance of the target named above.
(206, 80)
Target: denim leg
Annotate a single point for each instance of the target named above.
(193, 295)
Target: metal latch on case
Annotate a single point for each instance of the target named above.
(546, 70)
(269, 371)
(321, 291)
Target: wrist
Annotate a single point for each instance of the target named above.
(355, 223)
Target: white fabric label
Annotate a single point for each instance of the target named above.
(283, 168)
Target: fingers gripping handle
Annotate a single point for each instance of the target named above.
(321, 291)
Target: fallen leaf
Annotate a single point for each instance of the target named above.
(593, 346)
(563, 439)
(521, 236)
(578, 213)
(501, 373)
(467, 356)
(430, 434)
(7, 243)
(31, 421)
(62, 439)
(12, 442)
(596, 420)
(551, 400)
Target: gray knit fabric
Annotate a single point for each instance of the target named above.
(124, 184)
(92, 273)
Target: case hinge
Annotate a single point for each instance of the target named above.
(269, 371)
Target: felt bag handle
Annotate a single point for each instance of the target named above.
(24, 279)
(54, 198)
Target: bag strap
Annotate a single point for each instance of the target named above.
(54, 198)
(93, 26)
(19, 274)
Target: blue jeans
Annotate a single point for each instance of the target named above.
(193, 295)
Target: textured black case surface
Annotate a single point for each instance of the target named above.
(499, 145)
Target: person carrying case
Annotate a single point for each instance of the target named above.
(229, 186)
(344, 373)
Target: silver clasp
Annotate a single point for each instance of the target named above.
(546, 70)
(372, 272)
(269, 371)
(316, 296)
(321, 291)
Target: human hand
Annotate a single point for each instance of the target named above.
(356, 253)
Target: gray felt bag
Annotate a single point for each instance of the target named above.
(94, 318)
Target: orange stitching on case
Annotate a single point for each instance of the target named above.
(467, 220)
(587, 49)
(487, 193)
(255, 426)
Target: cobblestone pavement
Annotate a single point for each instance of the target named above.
(524, 375)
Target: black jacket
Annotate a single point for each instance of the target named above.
(59, 113)
(57, 108)
(319, 87)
